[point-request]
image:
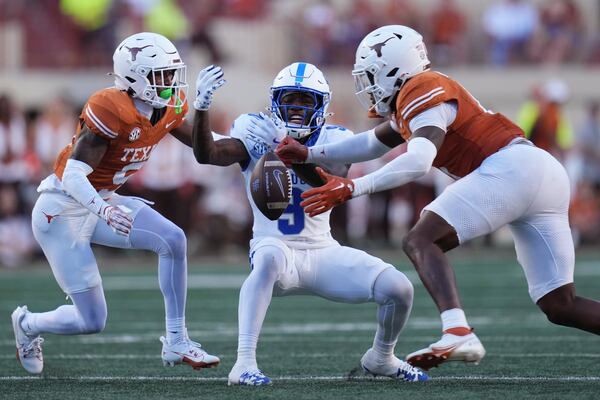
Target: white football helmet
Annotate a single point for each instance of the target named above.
(148, 66)
(305, 78)
(385, 59)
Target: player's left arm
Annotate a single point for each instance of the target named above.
(416, 162)
(360, 147)
(428, 136)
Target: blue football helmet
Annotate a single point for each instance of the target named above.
(300, 96)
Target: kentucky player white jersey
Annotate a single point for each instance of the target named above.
(294, 227)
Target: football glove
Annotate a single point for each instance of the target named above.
(208, 81)
(118, 220)
(335, 191)
(290, 151)
(269, 129)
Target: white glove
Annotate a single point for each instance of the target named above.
(270, 129)
(118, 220)
(209, 80)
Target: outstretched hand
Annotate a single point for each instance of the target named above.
(335, 191)
(208, 81)
(290, 151)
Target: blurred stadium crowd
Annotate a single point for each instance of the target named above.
(209, 202)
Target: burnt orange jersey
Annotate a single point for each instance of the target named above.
(475, 134)
(111, 114)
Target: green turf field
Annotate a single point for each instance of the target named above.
(308, 345)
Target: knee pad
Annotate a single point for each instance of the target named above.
(95, 325)
(268, 259)
(175, 241)
(393, 286)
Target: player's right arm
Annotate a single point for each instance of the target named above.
(361, 147)
(207, 150)
(89, 148)
(86, 156)
(223, 151)
(249, 134)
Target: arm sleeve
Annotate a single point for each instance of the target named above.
(405, 168)
(78, 186)
(360, 147)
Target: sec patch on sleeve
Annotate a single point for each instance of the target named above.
(271, 186)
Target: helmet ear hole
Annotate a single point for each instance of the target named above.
(392, 73)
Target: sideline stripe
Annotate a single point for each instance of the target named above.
(303, 378)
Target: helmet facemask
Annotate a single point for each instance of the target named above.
(301, 109)
(165, 83)
(371, 94)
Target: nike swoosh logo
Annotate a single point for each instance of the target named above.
(169, 124)
(277, 173)
(340, 186)
(448, 349)
(276, 141)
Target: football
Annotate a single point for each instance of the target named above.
(271, 186)
(308, 174)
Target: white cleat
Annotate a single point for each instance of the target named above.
(450, 347)
(247, 376)
(395, 368)
(29, 349)
(188, 352)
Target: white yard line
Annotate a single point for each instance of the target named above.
(348, 332)
(298, 378)
(291, 355)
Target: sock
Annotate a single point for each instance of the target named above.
(455, 318)
(175, 330)
(247, 349)
(383, 351)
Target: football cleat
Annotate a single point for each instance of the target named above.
(395, 369)
(450, 347)
(29, 349)
(188, 352)
(247, 376)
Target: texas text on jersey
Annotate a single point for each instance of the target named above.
(111, 114)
